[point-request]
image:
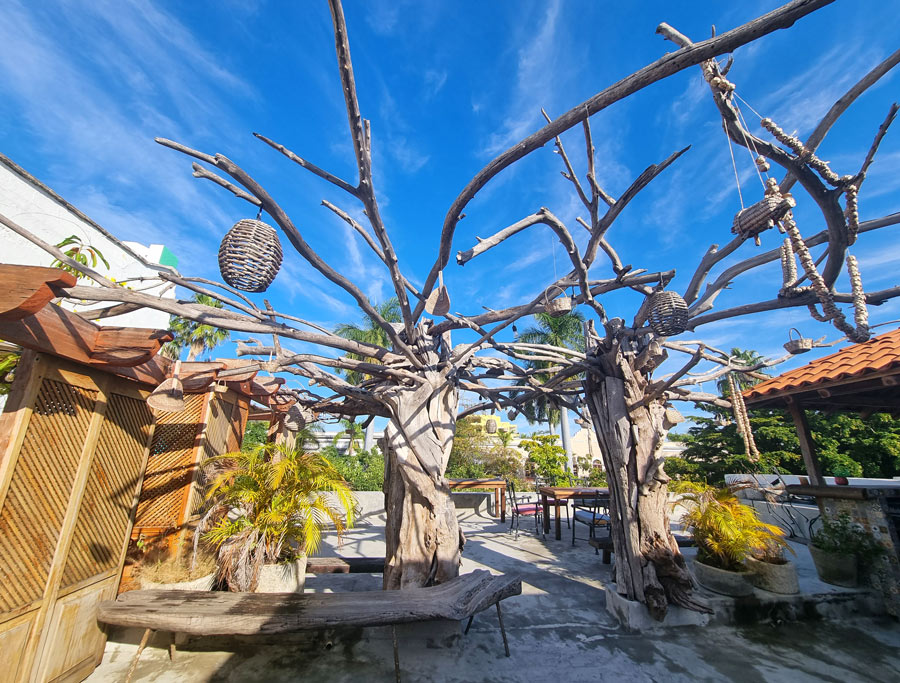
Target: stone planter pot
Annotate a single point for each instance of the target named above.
(285, 577)
(835, 568)
(204, 583)
(735, 584)
(777, 578)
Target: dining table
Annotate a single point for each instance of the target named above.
(496, 483)
(564, 494)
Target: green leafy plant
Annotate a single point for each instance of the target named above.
(80, 252)
(687, 486)
(726, 531)
(546, 459)
(9, 361)
(197, 337)
(844, 537)
(270, 504)
(363, 470)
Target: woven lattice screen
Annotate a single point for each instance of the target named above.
(39, 492)
(103, 516)
(170, 469)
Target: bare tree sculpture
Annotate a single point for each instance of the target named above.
(417, 381)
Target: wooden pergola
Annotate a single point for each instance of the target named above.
(862, 378)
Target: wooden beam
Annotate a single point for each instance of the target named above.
(27, 289)
(59, 332)
(807, 447)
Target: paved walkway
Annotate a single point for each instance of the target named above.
(558, 630)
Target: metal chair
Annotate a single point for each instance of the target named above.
(522, 508)
(592, 511)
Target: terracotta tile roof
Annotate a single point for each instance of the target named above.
(879, 354)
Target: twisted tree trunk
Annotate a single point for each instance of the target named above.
(423, 539)
(649, 568)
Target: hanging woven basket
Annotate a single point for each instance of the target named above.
(250, 255)
(800, 345)
(668, 313)
(759, 217)
(559, 306)
(490, 426)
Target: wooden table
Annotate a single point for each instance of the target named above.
(499, 486)
(558, 493)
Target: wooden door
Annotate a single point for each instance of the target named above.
(72, 465)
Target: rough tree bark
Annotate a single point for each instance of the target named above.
(631, 431)
(423, 539)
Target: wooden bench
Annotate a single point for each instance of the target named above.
(211, 613)
(345, 565)
(606, 545)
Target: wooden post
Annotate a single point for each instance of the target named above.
(807, 448)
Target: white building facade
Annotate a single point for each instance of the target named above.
(27, 201)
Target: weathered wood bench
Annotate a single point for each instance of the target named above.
(345, 565)
(605, 544)
(211, 613)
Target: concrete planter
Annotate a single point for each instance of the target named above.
(776, 578)
(835, 568)
(284, 577)
(204, 583)
(735, 584)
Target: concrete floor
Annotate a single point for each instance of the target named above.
(558, 629)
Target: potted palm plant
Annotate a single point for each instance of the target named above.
(268, 509)
(772, 571)
(725, 532)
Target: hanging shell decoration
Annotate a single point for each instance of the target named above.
(250, 255)
(559, 306)
(800, 345)
(759, 217)
(668, 314)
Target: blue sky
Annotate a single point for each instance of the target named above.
(447, 85)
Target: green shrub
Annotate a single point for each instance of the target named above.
(546, 459)
(842, 536)
(363, 470)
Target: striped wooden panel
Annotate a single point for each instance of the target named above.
(171, 466)
(99, 532)
(219, 424)
(39, 492)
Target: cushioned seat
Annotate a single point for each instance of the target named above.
(588, 517)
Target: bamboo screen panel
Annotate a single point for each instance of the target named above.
(219, 427)
(106, 506)
(170, 469)
(39, 491)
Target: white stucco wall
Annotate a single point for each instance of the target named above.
(26, 201)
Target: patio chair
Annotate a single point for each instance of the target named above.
(591, 511)
(522, 508)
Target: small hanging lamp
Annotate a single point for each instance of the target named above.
(250, 255)
(559, 306)
(800, 345)
(490, 426)
(668, 313)
(168, 397)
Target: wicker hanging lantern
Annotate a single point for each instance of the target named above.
(668, 313)
(250, 255)
(800, 345)
(490, 426)
(559, 306)
(759, 217)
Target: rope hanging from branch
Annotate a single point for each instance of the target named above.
(830, 312)
(739, 408)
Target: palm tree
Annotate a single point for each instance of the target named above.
(353, 431)
(369, 332)
(565, 331)
(198, 337)
(745, 358)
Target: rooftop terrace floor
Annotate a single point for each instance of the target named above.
(558, 630)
